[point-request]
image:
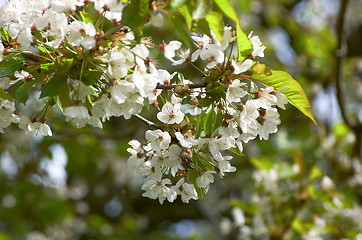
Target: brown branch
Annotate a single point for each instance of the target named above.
(98, 134)
(340, 89)
(340, 56)
(148, 122)
(194, 85)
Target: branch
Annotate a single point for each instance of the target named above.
(340, 56)
(194, 85)
(148, 122)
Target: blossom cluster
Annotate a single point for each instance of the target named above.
(77, 55)
(106, 72)
(183, 159)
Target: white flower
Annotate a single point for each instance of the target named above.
(170, 49)
(183, 55)
(265, 99)
(281, 98)
(7, 115)
(1, 51)
(187, 139)
(119, 61)
(159, 140)
(214, 55)
(201, 43)
(235, 91)
(43, 129)
(172, 159)
(80, 91)
(121, 91)
(171, 114)
(269, 123)
(77, 114)
(141, 52)
(224, 166)
(188, 192)
(241, 67)
(66, 5)
(81, 33)
(20, 76)
(327, 183)
(205, 179)
(157, 189)
(218, 144)
(258, 48)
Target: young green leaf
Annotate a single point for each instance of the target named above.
(244, 45)
(227, 8)
(202, 8)
(215, 21)
(4, 35)
(178, 22)
(295, 92)
(184, 11)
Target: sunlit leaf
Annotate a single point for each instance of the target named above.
(244, 45)
(294, 92)
(227, 8)
(215, 21)
(178, 23)
(315, 173)
(203, 7)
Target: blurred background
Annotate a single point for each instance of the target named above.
(304, 183)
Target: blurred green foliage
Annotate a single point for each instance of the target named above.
(279, 186)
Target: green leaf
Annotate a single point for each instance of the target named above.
(227, 8)
(184, 11)
(63, 100)
(237, 151)
(135, 16)
(295, 93)
(209, 121)
(202, 9)
(21, 92)
(90, 77)
(53, 86)
(64, 65)
(178, 22)
(217, 92)
(5, 95)
(199, 124)
(315, 173)
(192, 175)
(244, 45)
(11, 63)
(4, 35)
(215, 21)
(263, 163)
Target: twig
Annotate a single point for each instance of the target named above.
(148, 122)
(340, 56)
(98, 134)
(194, 85)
